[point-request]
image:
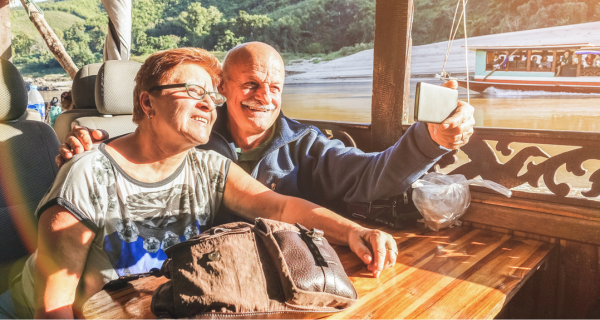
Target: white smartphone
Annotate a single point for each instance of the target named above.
(433, 103)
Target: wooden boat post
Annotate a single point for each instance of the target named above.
(5, 37)
(52, 41)
(528, 60)
(553, 61)
(391, 71)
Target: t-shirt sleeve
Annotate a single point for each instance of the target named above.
(213, 170)
(81, 188)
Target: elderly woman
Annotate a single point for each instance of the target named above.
(112, 211)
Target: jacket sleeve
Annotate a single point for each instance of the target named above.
(346, 173)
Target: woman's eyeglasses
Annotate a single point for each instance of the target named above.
(195, 91)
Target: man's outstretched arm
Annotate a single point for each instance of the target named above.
(338, 172)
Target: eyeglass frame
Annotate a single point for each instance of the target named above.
(186, 86)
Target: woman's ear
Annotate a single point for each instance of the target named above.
(145, 103)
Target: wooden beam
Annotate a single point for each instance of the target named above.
(553, 61)
(528, 60)
(391, 71)
(5, 36)
(51, 40)
(579, 63)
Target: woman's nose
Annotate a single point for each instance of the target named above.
(208, 104)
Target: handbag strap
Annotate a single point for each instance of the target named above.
(309, 237)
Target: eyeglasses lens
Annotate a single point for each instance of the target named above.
(217, 98)
(196, 92)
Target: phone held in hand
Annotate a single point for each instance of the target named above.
(433, 103)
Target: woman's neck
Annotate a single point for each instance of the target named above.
(146, 156)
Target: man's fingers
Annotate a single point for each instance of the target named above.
(59, 161)
(74, 144)
(452, 84)
(65, 151)
(99, 135)
(84, 136)
(462, 112)
(379, 252)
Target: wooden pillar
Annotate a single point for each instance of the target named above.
(554, 61)
(5, 36)
(579, 63)
(391, 71)
(528, 60)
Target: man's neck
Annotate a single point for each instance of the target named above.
(247, 140)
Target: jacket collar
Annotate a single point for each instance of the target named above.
(288, 130)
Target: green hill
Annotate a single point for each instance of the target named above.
(59, 22)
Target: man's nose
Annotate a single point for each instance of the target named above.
(263, 94)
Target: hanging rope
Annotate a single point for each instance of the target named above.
(35, 5)
(466, 50)
(450, 37)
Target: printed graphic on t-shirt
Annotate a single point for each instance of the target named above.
(148, 222)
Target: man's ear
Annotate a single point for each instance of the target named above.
(221, 88)
(145, 102)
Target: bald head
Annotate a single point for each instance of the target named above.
(252, 53)
(253, 77)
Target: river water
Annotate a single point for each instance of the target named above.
(509, 109)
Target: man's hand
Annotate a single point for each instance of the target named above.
(375, 248)
(456, 130)
(80, 139)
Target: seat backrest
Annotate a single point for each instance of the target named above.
(84, 103)
(27, 168)
(114, 98)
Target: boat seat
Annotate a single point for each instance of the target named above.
(31, 115)
(84, 104)
(114, 98)
(27, 170)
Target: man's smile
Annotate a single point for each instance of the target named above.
(253, 106)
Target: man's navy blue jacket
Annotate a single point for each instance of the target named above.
(302, 162)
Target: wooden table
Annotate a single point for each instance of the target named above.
(454, 273)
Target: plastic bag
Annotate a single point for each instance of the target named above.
(442, 199)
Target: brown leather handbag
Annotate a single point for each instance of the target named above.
(270, 269)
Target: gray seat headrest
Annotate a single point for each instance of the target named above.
(13, 95)
(84, 85)
(114, 86)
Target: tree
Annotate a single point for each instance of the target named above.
(228, 41)
(77, 43)
(198, 21)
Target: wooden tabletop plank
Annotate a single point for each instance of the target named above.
(454, 273)
(490, 280)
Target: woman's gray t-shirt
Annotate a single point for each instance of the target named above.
(134, 222)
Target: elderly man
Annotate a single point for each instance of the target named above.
(296, 159)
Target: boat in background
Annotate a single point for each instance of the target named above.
(520, 68)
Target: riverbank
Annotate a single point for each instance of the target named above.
(427, 60)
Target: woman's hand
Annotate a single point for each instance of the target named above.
(375, 248)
